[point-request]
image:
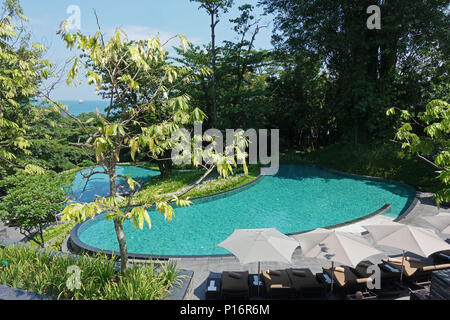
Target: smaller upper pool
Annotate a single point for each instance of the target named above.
(87, 190)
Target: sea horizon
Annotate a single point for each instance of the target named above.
(76, 107)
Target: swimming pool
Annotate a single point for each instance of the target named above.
(298, 198)
(98, 184)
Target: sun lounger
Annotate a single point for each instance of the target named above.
(362, 270)
(305, 283)
(389, 278)
(418, 270)
(277, 284)
(235, 284)
(347, 280)
(441, 257)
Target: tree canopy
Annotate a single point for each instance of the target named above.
(22, 71)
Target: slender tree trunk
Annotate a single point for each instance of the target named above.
(165, 164)
(213, 62)
(242, 69)
(118, 226)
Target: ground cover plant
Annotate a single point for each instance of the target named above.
(100, 278)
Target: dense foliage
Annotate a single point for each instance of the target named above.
(52, 135)
(33, 201)
(22, 71)
(405, 63)
(427, 134)
(47, 274)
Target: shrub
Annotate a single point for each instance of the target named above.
(47, 274)
(32, 201)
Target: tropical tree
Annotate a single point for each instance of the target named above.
(369, 70)
(123, 64)
(50, 133)
(427, 134)
(178, 113)
(242, 71)
(241, 74)
(297, 103)
(33, 201)
(21, 72)
(214, 8)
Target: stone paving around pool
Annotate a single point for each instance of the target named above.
(214, 266)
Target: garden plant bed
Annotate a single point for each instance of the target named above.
(47, 276)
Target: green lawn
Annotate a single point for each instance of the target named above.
(179, 179)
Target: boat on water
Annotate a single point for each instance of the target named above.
(80, 101)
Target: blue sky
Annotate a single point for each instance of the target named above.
(139, 18)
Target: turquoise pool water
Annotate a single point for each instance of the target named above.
(84, 190)
(298, 198)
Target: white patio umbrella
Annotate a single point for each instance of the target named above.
(420, 241)
(440, 222)
(257, 245)
(335, 246)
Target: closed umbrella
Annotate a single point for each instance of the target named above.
(440, 222)
(335, 246)
(257, 245)
(420, 241)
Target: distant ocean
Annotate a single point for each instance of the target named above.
(76, 108)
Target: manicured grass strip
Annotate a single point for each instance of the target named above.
(57, 230)
(159, 186)
(223, 184)
(47, 274)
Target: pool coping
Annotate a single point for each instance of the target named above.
(80, 246)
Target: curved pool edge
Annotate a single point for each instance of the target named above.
(79, 246)
(410, 208)
(353, 175)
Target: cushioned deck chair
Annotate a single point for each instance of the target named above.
(235, 284)
(305, 284)
(441, 257)
(390, 279)
(346, 279)
(415, 269)
(362, 271)
(277, 284)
